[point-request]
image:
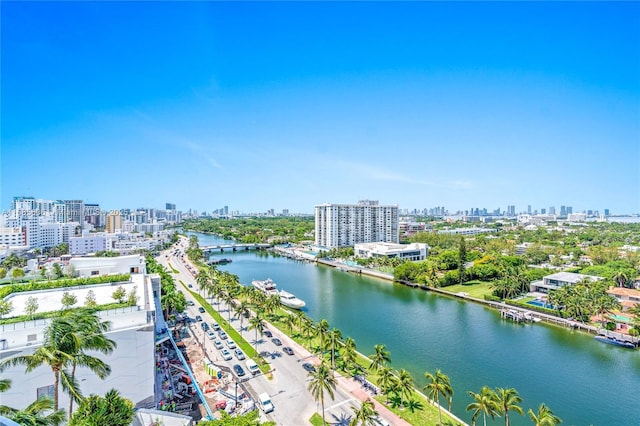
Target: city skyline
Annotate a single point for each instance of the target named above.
(262, 106)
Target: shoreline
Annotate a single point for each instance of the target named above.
(499, 306)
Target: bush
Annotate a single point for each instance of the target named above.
(46, 285)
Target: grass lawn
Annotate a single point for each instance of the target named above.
(477, 289)
(316, 420)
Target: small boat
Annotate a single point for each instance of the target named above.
(613, 341)
(267, 286)
(291, 301)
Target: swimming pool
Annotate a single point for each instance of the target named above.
(619, 318)
(539, 303)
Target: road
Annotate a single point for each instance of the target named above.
(293, 403)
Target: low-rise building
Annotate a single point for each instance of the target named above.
(414, 251)
(132, 362)
(558, 280)
(95, 266)
(628, 297)
(90, 243)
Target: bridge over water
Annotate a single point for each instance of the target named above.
(233, 247)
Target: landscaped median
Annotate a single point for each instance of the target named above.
(233, 334)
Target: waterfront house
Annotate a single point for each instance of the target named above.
(627, 297)
(558, 280)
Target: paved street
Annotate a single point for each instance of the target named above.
(293, 403)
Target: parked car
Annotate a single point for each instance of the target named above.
(226, 355)
(276, 341)
(211, 334)
(215, 326)
(231, 344)
(287, 350)
(205, 326)
(201, 310)
(191, 303)
(198, 318)
(217, 344)
(239, 354)
(239, 370)
(222, 334)
(309, 367)
(267, 333)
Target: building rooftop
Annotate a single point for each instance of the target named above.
(570, 277)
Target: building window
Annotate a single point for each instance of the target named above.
(45, 392)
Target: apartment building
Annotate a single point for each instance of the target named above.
(344, 225)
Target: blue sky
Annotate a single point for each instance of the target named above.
(287, 105)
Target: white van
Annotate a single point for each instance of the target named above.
(252, 367)
(265, 402)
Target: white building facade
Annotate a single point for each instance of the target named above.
(414, 251)
(344, 225)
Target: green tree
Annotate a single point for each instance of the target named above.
(3, 272)
(256, 323)
(365, 415)
(462, 258)
(348, 354)
(249, 419)
(38, 413)
(17, 274)
(31, 306)
(508, 400)
(405, 384)
(380, 357)
(544, 416)
(322, 380)
(119, 294)
(132, 296)
(484, 403)
(386, 379)
(90, 300)
(6, 306)
(53, 353)
(57, 271)
(68, 299)
(112, 409)
(88, 334)
(439, 384)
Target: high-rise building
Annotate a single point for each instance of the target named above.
(75, 211)
(343, 225)
(169, 206)
(114, 222)
(606, 212)
(552, 210)
(529, 209)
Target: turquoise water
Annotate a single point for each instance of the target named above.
(620, 317)
(583, 381)
(540, 303)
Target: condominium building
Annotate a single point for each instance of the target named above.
(114, 222)
(344, 225)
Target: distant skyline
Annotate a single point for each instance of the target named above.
(272, 105)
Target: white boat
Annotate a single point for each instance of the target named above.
(291, 301)
(267, 286)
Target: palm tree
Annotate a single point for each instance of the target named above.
(508, 400)
(289, 321)
(39, 413)
(202, 279)
(621, 278)
(322, 380)
(58, 339)
(322, 329)
(484, 403)
(307, 328)
(386, 379)
(365, 415)
(243, 309)
(405, 384)
(335, 336)
(256, 323)
(544, 417)
(89, 332)
(380, 358)
(348, 354)
(439, 384)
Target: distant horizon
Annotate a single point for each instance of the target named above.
(286, 105)
(452, 211)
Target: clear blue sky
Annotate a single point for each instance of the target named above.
(288, 105)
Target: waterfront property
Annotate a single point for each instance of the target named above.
(94, 266)
(414, 251)
(558, 280)
(343, 225)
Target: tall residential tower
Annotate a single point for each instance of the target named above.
(343, 225)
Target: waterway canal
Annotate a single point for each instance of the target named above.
(583, 381)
